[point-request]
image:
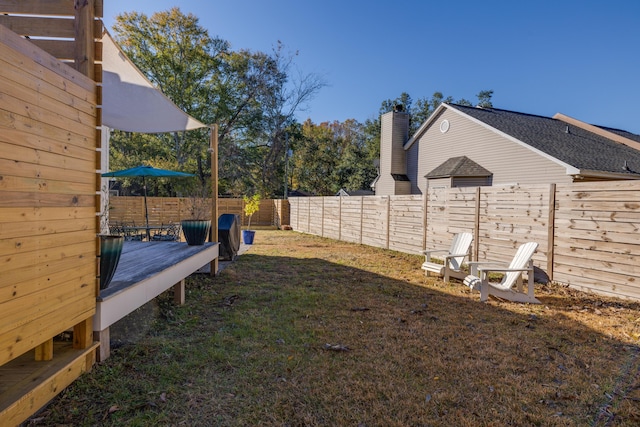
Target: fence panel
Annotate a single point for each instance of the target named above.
(375, 221)
(596, 244)
(406, 223)
(351, 214)
(316, 214)
(303, 214)
(449, 211)
(164, 210)
(511, 216)
(331, 218)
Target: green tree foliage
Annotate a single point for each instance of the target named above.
(484, 98)
(252, 96)
(331, 156)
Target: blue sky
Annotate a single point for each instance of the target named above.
(580, 57)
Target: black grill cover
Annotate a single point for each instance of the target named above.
(229, 236)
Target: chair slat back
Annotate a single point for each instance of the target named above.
(520, 260)
(459, 245)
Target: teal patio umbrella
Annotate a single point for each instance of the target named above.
(145, 172)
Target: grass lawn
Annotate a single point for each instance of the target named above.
(306, 331)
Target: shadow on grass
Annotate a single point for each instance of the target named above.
(308, 331)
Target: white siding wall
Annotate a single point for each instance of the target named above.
(510, 162)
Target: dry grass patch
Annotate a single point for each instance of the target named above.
(305, 331)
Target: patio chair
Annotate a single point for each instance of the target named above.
(116, 230)
(132, 232)
(453, 258)
(169, 233)
(511, 286)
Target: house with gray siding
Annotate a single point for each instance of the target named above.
(472, 146)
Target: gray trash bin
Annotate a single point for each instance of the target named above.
(229, 236)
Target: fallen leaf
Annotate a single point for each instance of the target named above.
(336, 347)
(111, 410)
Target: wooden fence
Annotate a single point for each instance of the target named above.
(587, 233)
(164, 210)
(47, 198)
(49, 135)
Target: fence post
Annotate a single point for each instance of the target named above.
(322, 225)
(340, 219)
(388, 219)
(425, 219)
(361, 216)
(476, 228)
(213, 231)
(550, 230)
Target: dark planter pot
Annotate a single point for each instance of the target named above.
(110, 251)
(196, 231)
(247, 236)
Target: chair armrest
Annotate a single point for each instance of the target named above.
(474, 266)
(496, 263)
(501, 270)
(430, 251)
(457, 255)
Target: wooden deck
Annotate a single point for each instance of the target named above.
(146, 269)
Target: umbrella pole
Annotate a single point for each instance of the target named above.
(146, 211)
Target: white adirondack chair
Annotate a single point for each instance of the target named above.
(453, 258)
(511, 286)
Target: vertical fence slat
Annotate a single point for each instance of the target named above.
(340, 221)
(476, 226)
(361, 217)
(551, 230)
(388, 219)
(425, 218)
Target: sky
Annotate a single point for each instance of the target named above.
(577, 57)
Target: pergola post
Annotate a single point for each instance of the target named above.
(213, 234)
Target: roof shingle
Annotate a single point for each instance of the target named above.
(458, 167)
(577, 147)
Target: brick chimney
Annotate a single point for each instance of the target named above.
(394, 133)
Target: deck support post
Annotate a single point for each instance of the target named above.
(83, 334)
(104, 351)
(44, 351)
(179, 293)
